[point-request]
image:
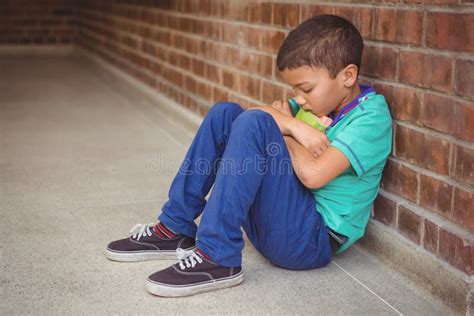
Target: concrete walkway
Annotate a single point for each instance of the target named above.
(84, 157)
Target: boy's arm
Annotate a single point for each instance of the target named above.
(312, 139)
(315, 172)
(283, 121)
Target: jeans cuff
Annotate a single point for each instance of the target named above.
(179, 229)
(232, 262)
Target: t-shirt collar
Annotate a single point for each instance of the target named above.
(347, 108)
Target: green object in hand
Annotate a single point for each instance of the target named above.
(307, 117)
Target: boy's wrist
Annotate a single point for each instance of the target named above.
(293, 126)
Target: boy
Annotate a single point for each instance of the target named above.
(300, 195)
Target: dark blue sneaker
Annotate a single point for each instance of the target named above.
(148, 242)
(194, 273)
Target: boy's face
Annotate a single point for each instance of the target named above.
(316, 92)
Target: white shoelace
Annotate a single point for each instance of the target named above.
(187, 258)
(143, 230)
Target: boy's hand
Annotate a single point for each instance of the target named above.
(312, 139)
(283, 106)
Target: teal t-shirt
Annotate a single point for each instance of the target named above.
(364, 136)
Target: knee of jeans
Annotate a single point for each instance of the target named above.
(249, 120)
(222, 108)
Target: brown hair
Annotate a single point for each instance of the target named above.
(324, 41)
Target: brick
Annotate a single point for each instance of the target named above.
(229, 33)
(215, 9)
(405, 104)
(200, 27)
(464, 78)
(386, 25)
(379, 62)
(449, 116)
(265, 65)
(436, 195)
(190, 84)
(441, 1)
(385, 211)
(149, 16)
(409, 224)
(362, 18)
(240, 59)
(425, 70)
(255, 12)
(293, 15)
(310, 10)
(272, 40)
(463, 208)
(185, 24)
(191, 45)
(271, 92)
(431, 237)
(177, 41)
(214, 31)
(250, 86)
(266, 13)
(235, 10)
(219, 54)
(400, 180)
(213, 73)
(243, 36)
(225, 10)
(185, 62)
(175, 77)
(219, 94)
(149, 48)
(173, 59)
(424, 150)
(242, 102)
(204, 90)
(201, 7)
(456, 250)
(450, 31)
(230, 79)
(279, 14)
(255, 39)
(409, 26)
(464, 164)
(198, 67)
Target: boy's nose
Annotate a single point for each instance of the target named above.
(300, 100)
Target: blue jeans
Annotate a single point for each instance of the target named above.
(244, 155)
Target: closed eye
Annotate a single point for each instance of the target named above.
(307, 91)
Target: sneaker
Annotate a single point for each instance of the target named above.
(146, 244)
(194, 273)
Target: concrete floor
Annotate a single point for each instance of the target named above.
(84, 157)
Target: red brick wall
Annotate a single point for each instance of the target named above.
(419, 54)
(37, 22)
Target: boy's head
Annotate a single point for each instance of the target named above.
(324, 51)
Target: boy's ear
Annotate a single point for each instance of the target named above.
(349, 75)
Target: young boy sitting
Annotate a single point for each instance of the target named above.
(300, 195)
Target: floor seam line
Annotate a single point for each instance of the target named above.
(367, 288)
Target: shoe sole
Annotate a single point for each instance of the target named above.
(167, 290)
(128, 256)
